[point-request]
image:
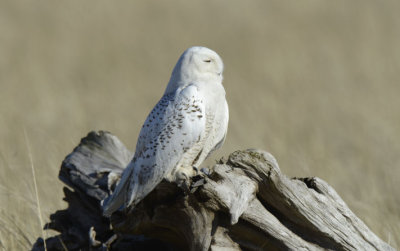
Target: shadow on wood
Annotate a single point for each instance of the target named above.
(246, 203)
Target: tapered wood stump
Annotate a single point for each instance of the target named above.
(245, 203)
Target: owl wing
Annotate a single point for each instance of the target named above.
(221, 127)
(173, 127)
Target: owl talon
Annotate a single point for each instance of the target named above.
(205, 171)
(197, 181)
(186, 188)
(183, 183)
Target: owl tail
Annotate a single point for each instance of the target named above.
(118, 199)
(129, 192)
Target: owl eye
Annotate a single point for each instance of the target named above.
(207, 60)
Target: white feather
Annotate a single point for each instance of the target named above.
(187, 124)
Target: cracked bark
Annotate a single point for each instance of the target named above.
(245, 204)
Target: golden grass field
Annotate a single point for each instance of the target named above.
(316, 83)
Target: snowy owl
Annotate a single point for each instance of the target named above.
(187, 124)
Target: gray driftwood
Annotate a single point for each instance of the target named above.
(246, 203)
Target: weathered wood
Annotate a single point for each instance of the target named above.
(246, 203)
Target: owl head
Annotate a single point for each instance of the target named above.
(196, 65)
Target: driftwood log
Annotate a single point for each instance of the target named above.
(246, 203)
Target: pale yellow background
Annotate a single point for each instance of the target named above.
(316, 83)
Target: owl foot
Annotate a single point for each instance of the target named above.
(183, 182)
(186, 188)
(197, 181)
(204, 171)
(190, 185)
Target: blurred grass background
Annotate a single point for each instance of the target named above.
(316, 83)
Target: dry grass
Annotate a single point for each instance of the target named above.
(38, 207)
(314, 82)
